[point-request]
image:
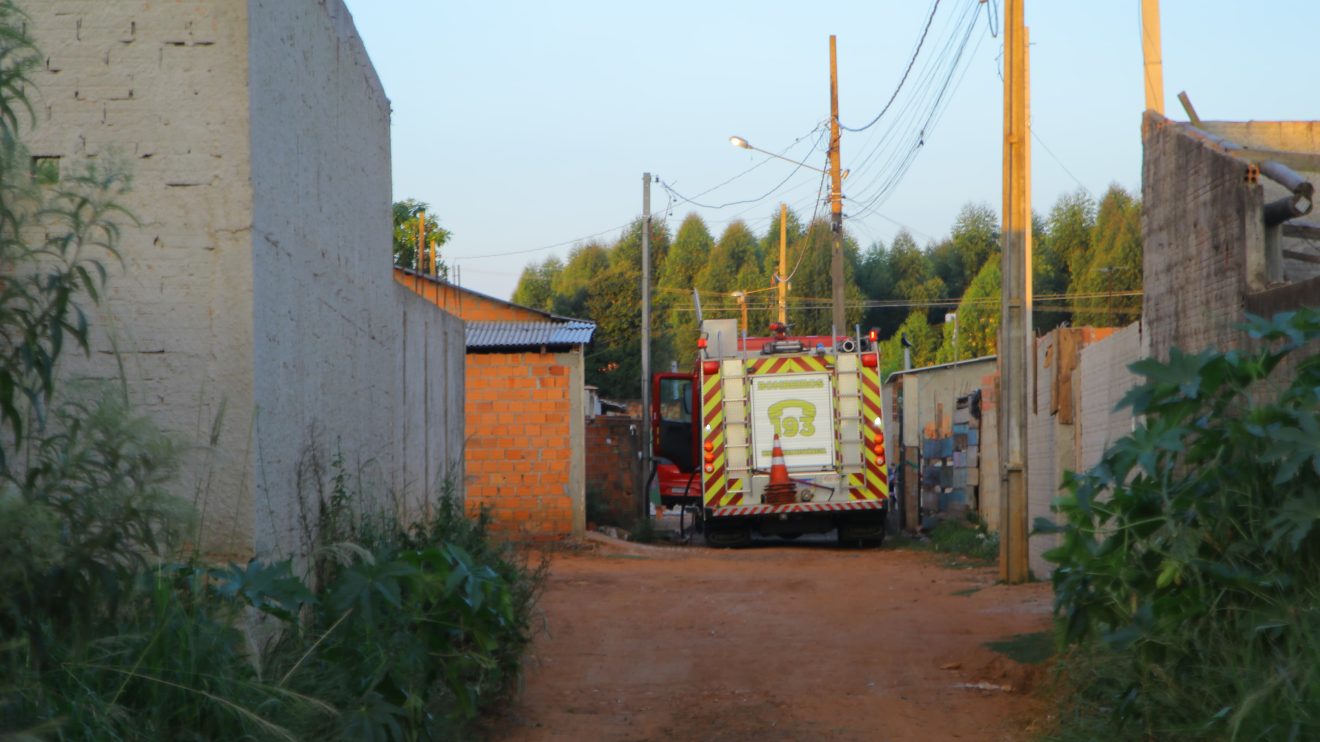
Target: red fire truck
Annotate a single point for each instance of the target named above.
(713, 431)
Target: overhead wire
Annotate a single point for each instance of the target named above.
(923, 115)
(928, 73)
(935, 6)
(543, 247)
(762, 162)
(797, 167)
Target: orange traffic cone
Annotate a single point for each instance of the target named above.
(778, 469)
(780, 489)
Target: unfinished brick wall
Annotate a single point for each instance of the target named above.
(520, 411)
(614, 462)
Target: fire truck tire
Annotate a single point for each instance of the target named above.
(727, 537)
(848, 541)
(861, 535)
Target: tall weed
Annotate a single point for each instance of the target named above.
(417, 629)
(1189, 567)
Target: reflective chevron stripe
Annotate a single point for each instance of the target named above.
(789, 365)
(798, 507)
(877, 476)
(713, 482)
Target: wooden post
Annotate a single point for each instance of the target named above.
(1154, 59)
(644, 429)
(783, 264)
(836, 201)
(421, 242)
(1015, 309)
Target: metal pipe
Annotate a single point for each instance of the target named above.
(1288, 207)
(1287, 177)
(1272, 169)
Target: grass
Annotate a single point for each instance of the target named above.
(1025, 649)
(967, 540)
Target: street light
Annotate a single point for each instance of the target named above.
(741, 143)
(836, 204)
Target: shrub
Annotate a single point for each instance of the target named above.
(417, 629)
(1189, 568)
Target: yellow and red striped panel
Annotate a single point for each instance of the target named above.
(789, 365)
(713, 482)
(876, 471)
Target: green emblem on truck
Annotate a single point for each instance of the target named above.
(793, 417)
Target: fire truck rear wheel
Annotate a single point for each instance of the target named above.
(727, 537)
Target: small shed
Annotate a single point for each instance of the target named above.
(946, 456)
(525, 453)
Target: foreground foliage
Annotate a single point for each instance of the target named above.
(1189, 570)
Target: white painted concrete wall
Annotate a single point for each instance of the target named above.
(1102, 380)
(1043, 438)
(256, 297)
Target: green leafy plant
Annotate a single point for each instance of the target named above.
(1190, 553)
(416, 628)
(967, 538)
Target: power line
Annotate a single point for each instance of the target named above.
(933, 107)
(933, 8)
(668, 188)
(1042, 143)
(763, 161)
(543, 247)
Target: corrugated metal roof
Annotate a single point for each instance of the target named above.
(525, 334)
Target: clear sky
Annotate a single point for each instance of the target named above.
(529, 124)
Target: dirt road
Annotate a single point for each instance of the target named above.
(792, 642)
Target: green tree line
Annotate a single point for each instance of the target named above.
(1086, 255)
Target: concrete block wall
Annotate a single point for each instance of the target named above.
(1203, 237)
(1101, 380)
(988, 494)
(524, 412)
(160, 91)
(256, 317)
(1044, 434)
(330, 325)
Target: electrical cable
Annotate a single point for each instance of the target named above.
(935, 6)
(760, 198)
(543, 247)
(872, 196)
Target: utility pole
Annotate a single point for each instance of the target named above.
(836, 199)
(420, 261)
(783, 264)
(1150, 50)
(1015, 358)
(643, 497)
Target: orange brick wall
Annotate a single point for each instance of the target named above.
(465, 304)
(519, 442)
